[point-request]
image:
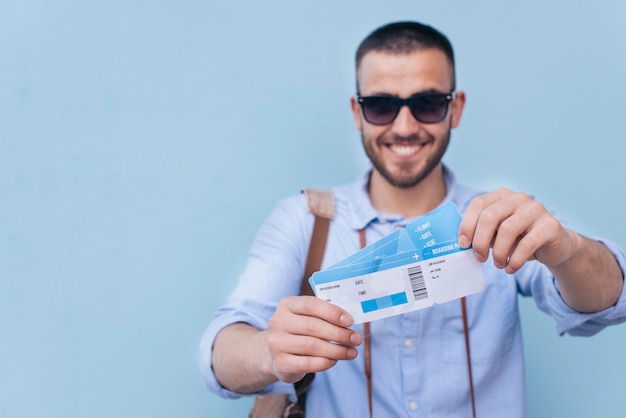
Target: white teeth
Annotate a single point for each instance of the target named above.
(404, 149)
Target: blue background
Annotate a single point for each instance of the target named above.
(142, 143)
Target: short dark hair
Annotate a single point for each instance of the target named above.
(404, 38)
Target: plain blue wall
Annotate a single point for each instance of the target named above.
(143, 143)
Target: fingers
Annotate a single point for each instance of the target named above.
(321, 327)
(314, 307)
(474, 211)
(511, 224)
(307, 334)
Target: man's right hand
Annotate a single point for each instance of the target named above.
(307, 334)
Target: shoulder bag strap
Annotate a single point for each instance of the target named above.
(367, 357)
(321, 203)
(468, 355)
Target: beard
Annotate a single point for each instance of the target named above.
(403, 175)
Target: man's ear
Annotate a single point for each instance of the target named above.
(456, 108)
(356, 113)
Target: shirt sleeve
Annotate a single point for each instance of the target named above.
(535, 280)
(274, 270)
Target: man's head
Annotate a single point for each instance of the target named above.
(406, 139)
(404, 38)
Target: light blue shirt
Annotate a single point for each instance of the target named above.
(418, 359)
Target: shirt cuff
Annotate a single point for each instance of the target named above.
(587, 324)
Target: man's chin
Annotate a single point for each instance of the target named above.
(404, 182)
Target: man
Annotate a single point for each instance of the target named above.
(265, 338)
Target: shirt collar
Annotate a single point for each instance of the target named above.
(360, 209)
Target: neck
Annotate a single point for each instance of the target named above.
(408, 202)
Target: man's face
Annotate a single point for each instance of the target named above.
(406, 151)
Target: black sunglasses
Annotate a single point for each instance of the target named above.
(425, 107)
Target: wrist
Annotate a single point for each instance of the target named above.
(266, 361)
(571, 248)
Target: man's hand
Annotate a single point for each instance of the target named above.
(516, 229)
(307, 334)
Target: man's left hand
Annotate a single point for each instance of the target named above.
(516, 228)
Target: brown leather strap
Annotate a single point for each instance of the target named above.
(468, 355)
(367, 359)
(367, 356)
(316, 252)
(322, 204)
(367, 343)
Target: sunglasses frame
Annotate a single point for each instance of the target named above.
(405, 102)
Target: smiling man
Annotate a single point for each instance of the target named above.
(406, 152)
(266, 337)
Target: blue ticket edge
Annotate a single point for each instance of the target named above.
(443, 224)
(401, 247)
(386, 263)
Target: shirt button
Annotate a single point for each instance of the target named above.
(408, 343)
(413, 406)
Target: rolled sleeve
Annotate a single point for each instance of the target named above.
(538, 281)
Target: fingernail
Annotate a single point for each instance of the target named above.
(479, 257)
(345, 320)
(464, 241)
(355, 338)
(352, 353)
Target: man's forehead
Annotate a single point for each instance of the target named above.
(395, 61)
(421, 70)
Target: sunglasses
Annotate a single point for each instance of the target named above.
(425, 107)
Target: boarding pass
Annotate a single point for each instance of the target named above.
(410, 269)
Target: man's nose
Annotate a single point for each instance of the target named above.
(405, 124)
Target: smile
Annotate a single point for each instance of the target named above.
(405, 149)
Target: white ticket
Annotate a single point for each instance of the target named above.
(374, 284)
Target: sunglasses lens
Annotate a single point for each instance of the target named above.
(380, 110)
(430, 108)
